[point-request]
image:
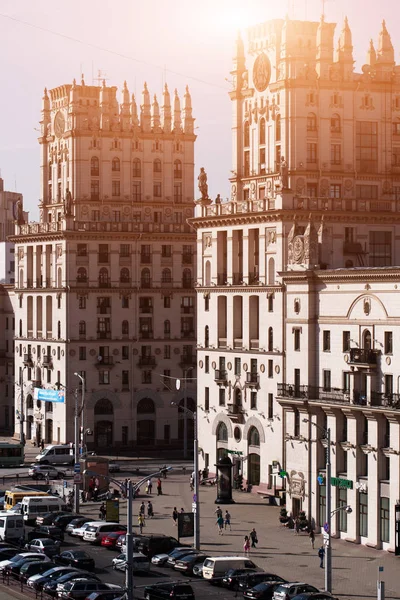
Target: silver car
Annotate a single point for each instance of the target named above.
(140, 562)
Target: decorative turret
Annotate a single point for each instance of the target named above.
(125, 99)
(45, 102)
(45, 113)
(145, 110)
(166, 111)
(155, 115)
(325, 34)
(385, 54)
(74, 94)
(371, 55)
(188, 121)
(345, 45)
(239, 65)
(134, 113)
(177, 113)
(104, 108)
(104, 99)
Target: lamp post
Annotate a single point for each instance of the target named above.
(132, 488)
(196, 498)
(328, 518)
(185, 429)
(76, 427)
(21, 408)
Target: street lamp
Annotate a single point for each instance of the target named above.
(76, 423)
(21, 407)
(328, 523)
(132, 489)
(185, 428)
(196, 498)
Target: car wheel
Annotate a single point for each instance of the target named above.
(114, 567)
(39, 476)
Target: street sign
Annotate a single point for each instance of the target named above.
(77, 478)
(282, 473)
(49, 395)
(321, 479)
(194, 506)
(194, 498)
(326, 527)
(65, 484)
(77, 468)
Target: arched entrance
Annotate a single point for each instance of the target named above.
(146, 427)
(29, 423)
(253, 457)
(103, 428)
(49, 431)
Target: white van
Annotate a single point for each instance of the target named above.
(12, 527)
(32, 507)
(56, 455)
(215, 567)
(96, 530)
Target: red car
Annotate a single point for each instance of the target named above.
(110, 540)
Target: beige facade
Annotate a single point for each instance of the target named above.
(105, 279)
(297, 306)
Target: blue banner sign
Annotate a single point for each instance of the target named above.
(49, 395)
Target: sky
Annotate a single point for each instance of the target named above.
(46, 43)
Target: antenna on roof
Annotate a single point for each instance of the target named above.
(101, 76)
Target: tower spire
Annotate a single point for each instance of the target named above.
(145, 114)
(188, 121)
(385, 54)
(166, 111)
(155, 116)
(177, 113)
(371, 55)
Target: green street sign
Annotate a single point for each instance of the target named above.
(235, 452)
(342, 483)
(282, 473)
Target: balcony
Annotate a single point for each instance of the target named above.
(146, 361)
(146, 309)
(104, 361)
(220, 376)
(384, 399)
(36, 383)
(126, 282)
(104, 310)
(145, 259)
(104, 283)
(222, 278)
(362, 357)
(187, 334)
(187, 361)
(28, 362)
(47, 360)
(145, 283)
(104, 335)
(82, 281)
(252, 380)
(237, 278)
(187, 310)
(146, 335)
(235, 412)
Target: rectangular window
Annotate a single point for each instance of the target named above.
(346, 382)
(247, 164)
(177, 192)
(146, 377)
(366, 147)
(271, 303)
(82, 250)
(206, 399)
(125, 379)
(221, 399)
(342, 502)
(167, 351)
(253, 400)
(103, 253)
(335, 190)
(206, 364)
(125, 352)
(270, 368)
(82, 301)
(380, 248)
(388, 342)
(312, 190)
(363, 514)
(104, 377)
(82, 352)
(116, 188)
(167, 301)
(345, 341)
(166, 250)
(262, 164)
(270, 406)
(336, 154)
(167, 379)
(124, 250)
(326, 376)
(238, 366)
(385, 520)
(125, 301)
(94, 189)
(311, 153)
(136, 191)
(297, 340)
(95, 215)
(157, 189)
(388, 385)
(366, 192)
(326, 340)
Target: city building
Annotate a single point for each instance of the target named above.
(104, 292)
(10, 204)
(297, 308)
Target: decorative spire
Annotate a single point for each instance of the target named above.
(385, 46)
(188, 121)
(155, 116)
(125, 95)
(239, 65)
(82, 79)
(166, 110)
(134, 113)
(145, 110)
(345, 43)
(371, 55)
(45, 101)
(177, 112)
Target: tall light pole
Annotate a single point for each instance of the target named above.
(132, 488)
(196, 499)
(328, 517)
(76, 424)
(185, 428)
(21, 408)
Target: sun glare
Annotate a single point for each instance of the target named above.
(231, 17)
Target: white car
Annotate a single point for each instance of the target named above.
(43, 471)
(79, 531)
(5, 563)
(140, 562)
(161, 559)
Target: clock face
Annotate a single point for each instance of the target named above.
(261, 72)
(59, 124)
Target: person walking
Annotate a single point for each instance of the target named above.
(218, 511)
(159, 487)
(142, 510)
(297, 526)
(228, 520)
(102, 511)
(246, 545)
(141, 522)
(311, 535)
(42, 444)
(150, 512)
(321, 554)
(175, 515)
(220, 524)
(149, 486)
(253, 538)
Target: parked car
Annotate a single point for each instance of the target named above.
(315, 596)
(21, 556)
(161, 559)
(287, 591)
(7, 553)
(150, 545)
(186, 563)
(45, 546)
(198, 569)
(96, 530)
(76, 558)
(113, 467)
(140, 562)
(261, 591)
(76, 523)
(110, 540)
(50, 588)
(34, 568)
(50, 517)
(79, 531)
(37, 581)
(181, 591)
(14, 567)
(107, 595)
(172, 557)
(62, 521)
(79, 589)
(46, 531)
(121, 541)
(43, 471)
(252, 579)
(231, 578)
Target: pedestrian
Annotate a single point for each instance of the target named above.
(149, 486)
(21, 542)
(95, 493)
(150, 512)
(142, 510)
(191, 483)
(159, 487)
(311, 535)
(253, 538)
(218, 511)
(182, 510)
(164, 471)
(175, 515)
(102, 511)
(297, 526)
(42, 444)
(220, 524)
(246, 545)
(141, 522)
(321, 554)
(228, 520)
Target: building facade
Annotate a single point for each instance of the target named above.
(296, 301)
(105, 278)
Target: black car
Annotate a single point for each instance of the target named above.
(173, 556)
(186, 563)
(76, 558)
(50, 517)
(315, 596)
(181, 591)
(37, 582)
(34, 568)
(50, 587)
(13, 568)
(62, 521)
(46, 531)
(150, 545)
(7, 553)
(107, 595)
(261, 591)
(231, 577)
(250, 580)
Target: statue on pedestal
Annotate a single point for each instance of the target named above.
(203, 186)
(284, 172)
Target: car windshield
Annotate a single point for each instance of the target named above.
(80, 554)
(47, 543)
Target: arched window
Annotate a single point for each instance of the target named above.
(367, 340)
(262, 131)
(335, 123)
(124, 275)
(116, 165)
(146, 407)
(59, 277)
(103, 277)
(103, 407)
(254, 437)
(82, 328)
(94, 166)
(157, 166)
(20, 328)
(187, 278)
(166, 276)
(206, 336)
(246, 134)
(222, 432)
(145, 280)
(29, 402)
(167, 327)
(82, 275)
(278, 128)
(271, 271)
(59, 169)
(311, 122)
(125, 328)
(177, 169)
(136, 168)
(270, 339)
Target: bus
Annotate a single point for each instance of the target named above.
(11, 455)
(12, 497)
